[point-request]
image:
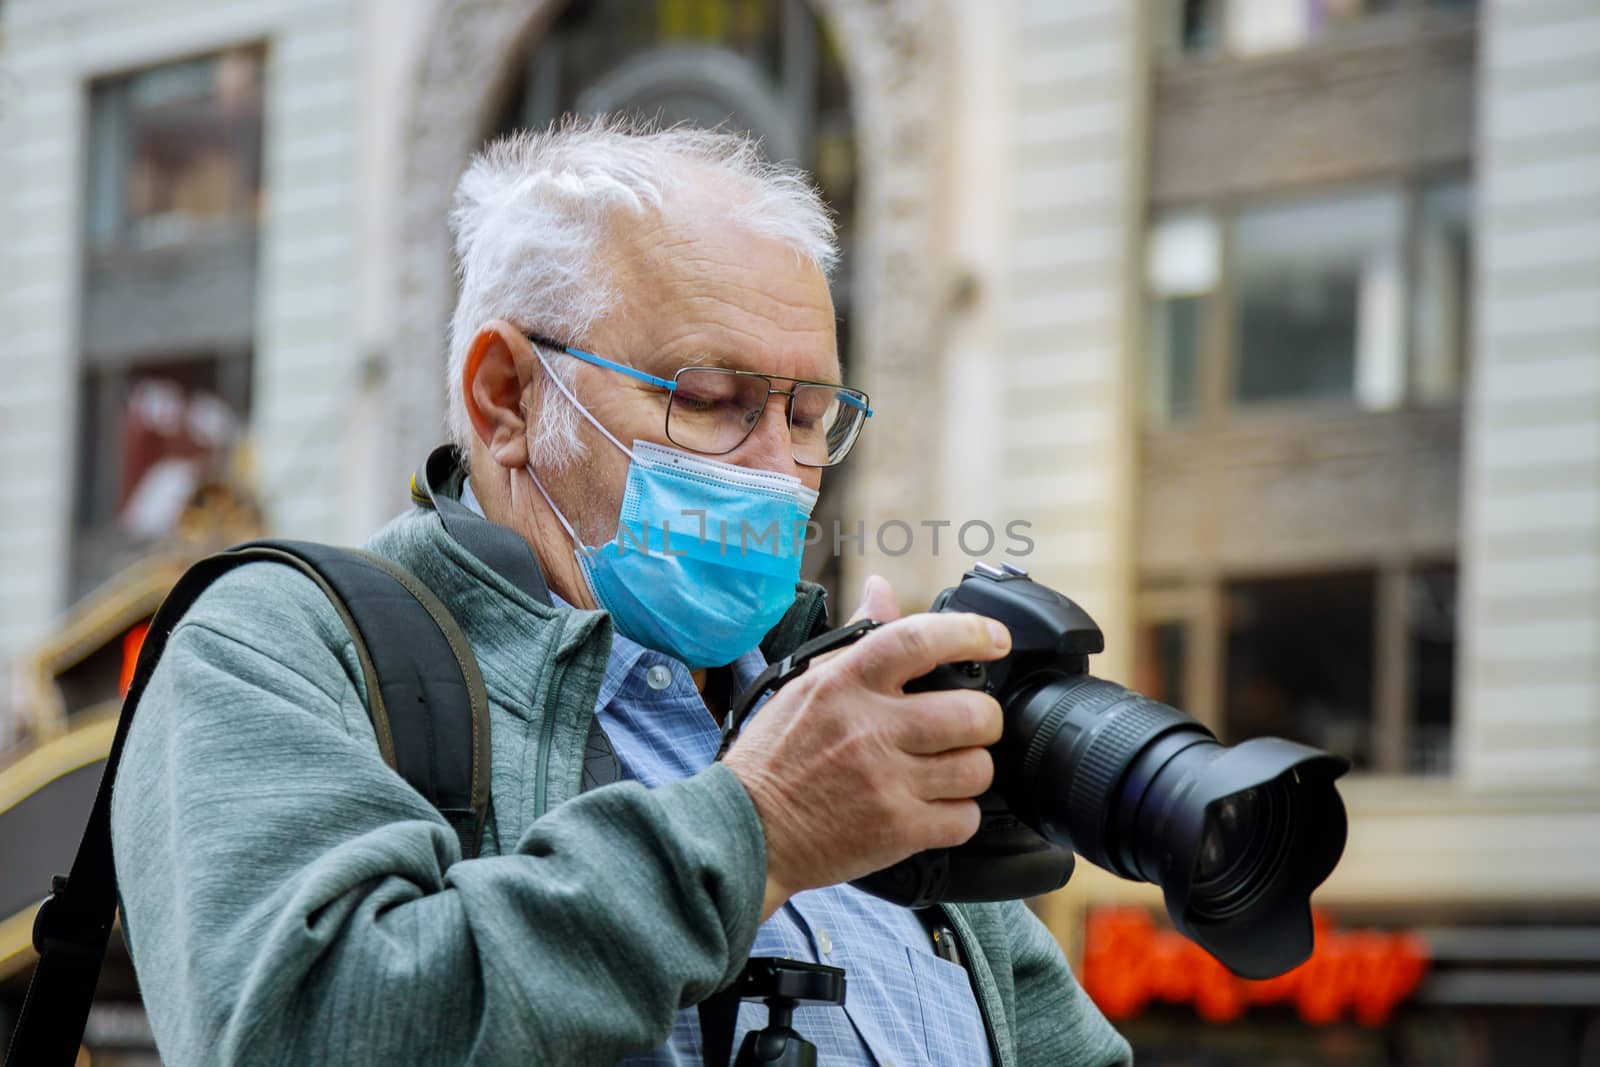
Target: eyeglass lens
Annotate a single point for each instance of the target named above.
(713, 411)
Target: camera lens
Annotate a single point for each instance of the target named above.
(1227, 837)
(1241, 848)
(1237, 837)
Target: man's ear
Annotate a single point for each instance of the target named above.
(494, 379)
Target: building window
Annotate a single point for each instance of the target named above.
(1183, 263)
(1358, 298)
(1318, 292)
(1444, 277)
(1260, 26)
(1431, 667)
(1248, 28)
(1307, 657)
(175, 150)
(1299, 657)
(173, 201)
(153, 436)
(1194, 27)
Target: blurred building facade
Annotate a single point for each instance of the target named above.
(1276, 324)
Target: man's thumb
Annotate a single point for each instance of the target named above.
(877, 601)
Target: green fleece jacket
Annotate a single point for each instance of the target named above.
(289, 899)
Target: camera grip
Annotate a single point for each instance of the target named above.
(962, 675)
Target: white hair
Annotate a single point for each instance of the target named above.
(530, 218)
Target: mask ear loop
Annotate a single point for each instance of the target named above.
(565, 525)
(559, 384)
(581, 549)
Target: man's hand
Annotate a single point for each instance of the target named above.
(849, 773)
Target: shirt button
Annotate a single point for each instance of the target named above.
(658, 677)
(824, 942)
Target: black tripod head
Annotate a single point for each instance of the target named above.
(784, 984)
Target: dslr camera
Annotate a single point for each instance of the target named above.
(1237, 837)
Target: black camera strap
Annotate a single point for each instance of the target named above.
(786, 670)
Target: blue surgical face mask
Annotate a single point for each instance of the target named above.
(706, 554)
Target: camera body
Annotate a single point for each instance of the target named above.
(1237, 837)
(1007, 858)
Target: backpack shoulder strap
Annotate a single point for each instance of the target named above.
(429, 711)
(425, 693)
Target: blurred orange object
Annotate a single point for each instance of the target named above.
(1129, 961)
(132, 643)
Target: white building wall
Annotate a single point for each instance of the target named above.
(1076, 88)
(306, 355)
(1529, 680)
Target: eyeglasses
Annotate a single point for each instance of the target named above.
(713, 409)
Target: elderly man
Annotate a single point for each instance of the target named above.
(644, 336)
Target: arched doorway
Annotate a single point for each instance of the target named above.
(473, 80)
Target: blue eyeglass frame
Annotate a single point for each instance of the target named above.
(854, 397)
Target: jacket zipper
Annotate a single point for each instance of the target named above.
(965, 941)
(547, 735)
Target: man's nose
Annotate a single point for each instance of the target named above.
(769, 446)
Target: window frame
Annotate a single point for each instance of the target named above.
(109, 227)
(1407, 17)
(1199, 603)
(1218, 357)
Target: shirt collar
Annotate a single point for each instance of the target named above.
(470, 500)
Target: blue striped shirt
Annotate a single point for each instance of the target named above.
(903, 1005)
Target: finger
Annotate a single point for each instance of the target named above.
(948, 823)
(928, 723)
(877, 600)
(956, 775)
(908, 648)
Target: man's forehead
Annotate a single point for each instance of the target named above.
(695, 288)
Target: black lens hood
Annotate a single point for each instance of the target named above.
(1274, 933)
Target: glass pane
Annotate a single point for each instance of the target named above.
(1432, 642)
(1300, 661)
(1258, 26)
(152, 438)
(1444, 291)
(1175, 330)
(1318, 297)
(1182, 265)
(1189, 27)
(176, 149)
(1184, 255)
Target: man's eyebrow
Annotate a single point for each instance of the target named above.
(667, 366)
